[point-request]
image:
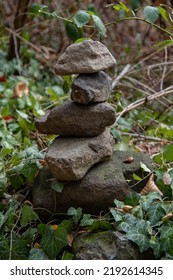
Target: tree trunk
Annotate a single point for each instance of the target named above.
(19, 21)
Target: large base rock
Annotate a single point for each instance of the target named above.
(70, 158)
(96, 191)
(72, 119)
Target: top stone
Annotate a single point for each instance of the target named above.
(84, 57)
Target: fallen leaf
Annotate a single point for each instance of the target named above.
(70, 239)
(2, 78)
(8, 119)
(42, 162)
(127, 208)
(37, 245)
(151, 186)
(20, 89)
(128, 160)
(54, 227)
(168, 216)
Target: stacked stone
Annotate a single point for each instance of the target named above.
(82, 123)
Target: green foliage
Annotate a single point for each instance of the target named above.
(146, 224)
(52, 241)
(73, 31)
(99, 26)
(135, 4)
(151, 13)
(57, 186)
(81, 18)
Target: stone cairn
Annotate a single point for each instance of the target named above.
(82, 123)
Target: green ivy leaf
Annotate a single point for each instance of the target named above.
(167, 206)
(29, 170)
(86, 220)
(139, 235)
(168, 153)
(21, 244)
(67, 256)
(52, 240)
(100, 225)
(81, 18)
(28, 215)
(37, 254)
(57, 186)
(116, 215)
(127, 222)
(119, 204)
(132, 199)
(75, 213)
(147, 200)
(155, 213)
(98, 23)
(155, 245)
(151, 13)
(16, 181)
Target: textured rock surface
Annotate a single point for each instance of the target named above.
(72, 119)
(70, 158)
(94, 87)
(96, 191)
(85, 57)
(106, 245)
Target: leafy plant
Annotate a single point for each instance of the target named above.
(148, 223)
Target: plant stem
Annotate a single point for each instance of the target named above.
(140, 136)
(140, 19)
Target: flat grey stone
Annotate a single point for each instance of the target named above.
(105, 245)
(70, 158)
(95, 87)
(72, 119)
(96, 191)
(84, 57)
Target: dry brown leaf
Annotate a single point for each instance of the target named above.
(42, 162)
(168, 216)
(70, 239)
(37, 245)
(8, 119)
(127, 208)
(128, 160)
(20, 89)
(151, 186)
(2, 77)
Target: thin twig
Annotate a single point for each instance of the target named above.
(164, 102)
(164, 69)
(140, 19)
(155, 139)
(142, 101)
(34, 47)
(120, 76)
(11, 234)
(16, 53)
